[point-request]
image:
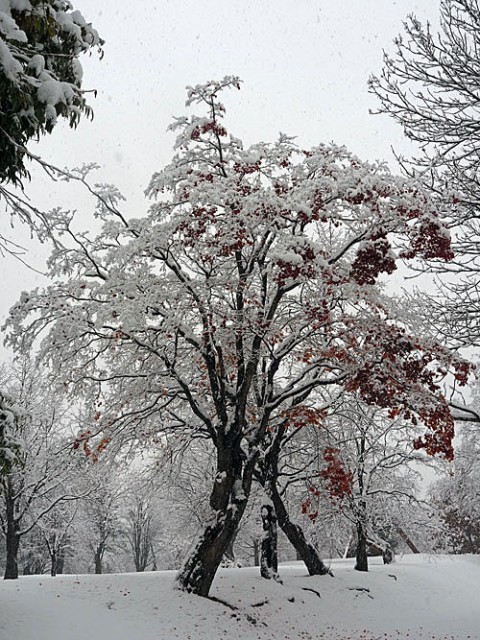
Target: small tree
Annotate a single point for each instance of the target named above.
(365, 474)
(141, 531)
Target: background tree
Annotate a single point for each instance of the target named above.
(100, 514)
(377, 450)
(56, 528)
(43, 476)
(141, 526)
(249, 286)
(456, 498)
(429, 85)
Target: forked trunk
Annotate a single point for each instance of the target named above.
(305, 550)
(199, 570)
(268, 478)
(228, 501)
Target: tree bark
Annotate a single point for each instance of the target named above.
(269, 556)
(361, 558)
(12, 539)
(256, 553)
(228, 500)
(60, 560)
(98, 559)
(53, 563)
(305, 551)
(229, 556)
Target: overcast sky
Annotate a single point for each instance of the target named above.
(304, 64)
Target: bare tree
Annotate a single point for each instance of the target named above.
(430, 86)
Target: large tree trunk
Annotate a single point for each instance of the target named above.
(361, 558)
(228, 500)
(12, 539)
(269, 557)
(305, 550)
(200, 568)
(98, 558)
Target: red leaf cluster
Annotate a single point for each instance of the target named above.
(288, 271)
(338, 478)
(371, 260)
(83, 440)
(301, 416)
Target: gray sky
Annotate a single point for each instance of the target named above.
(304, 64)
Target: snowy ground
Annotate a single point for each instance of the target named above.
(417, 598)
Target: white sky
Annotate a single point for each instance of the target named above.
(304, 64)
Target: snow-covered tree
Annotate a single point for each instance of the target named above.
(43, 475)
(456, 498)
(40, 74)
(10, 415)
(100, 522)
(248, 287)
(141, 528)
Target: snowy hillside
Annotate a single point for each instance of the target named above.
(417, 598)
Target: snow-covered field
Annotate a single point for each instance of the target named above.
(417, 598)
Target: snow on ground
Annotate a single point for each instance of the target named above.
(417, 598)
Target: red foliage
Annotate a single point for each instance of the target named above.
(371, 260)
(301, 416)
(337, 482)
(430, 241)
(400, 374)
(338, 479)
(288, 271)
(84, 441)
